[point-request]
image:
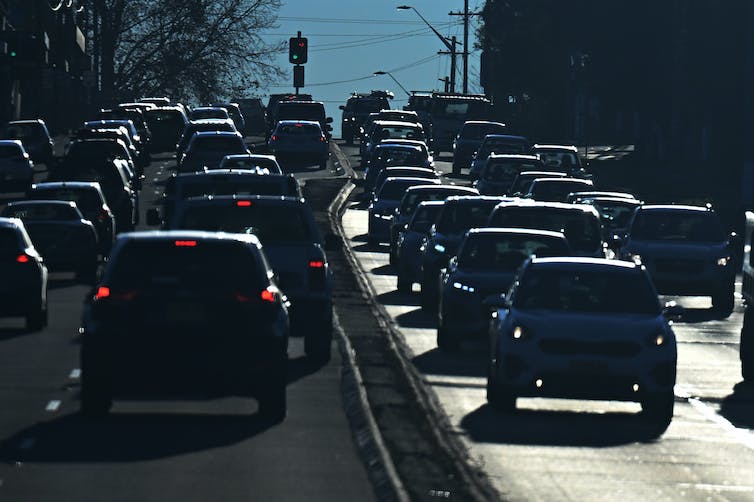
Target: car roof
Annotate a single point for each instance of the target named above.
(166, 235)
(513, 156)
(267, 200)
(476, 199)
(26, 122)
(458, 188)
(431, 203)
(303, 122)
(238, 173)
(583, 263)
(409, 179)
(676, 207)
(14, 142)
(570, 148)
(41, 202)
(11, 222)
(516, 231)
(506, 136)
(483, 122)
(209, 121)
(205, 134)
(385, 145)
(529, 203)
(402, 141)
(390, 123)
(574, 181)
(407, 169)
(601, 198)
(50, 185)
(544, 173)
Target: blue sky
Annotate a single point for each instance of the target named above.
(350, 40)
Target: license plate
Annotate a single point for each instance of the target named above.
(184, 312)
(589, 367)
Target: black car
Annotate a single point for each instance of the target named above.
(23, 290)
(198, 313)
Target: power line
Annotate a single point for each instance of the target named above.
(349, 21)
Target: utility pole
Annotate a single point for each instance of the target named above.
(453, 52)
(466, 14)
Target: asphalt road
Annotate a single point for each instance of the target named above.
(160, 449)
(583, 450)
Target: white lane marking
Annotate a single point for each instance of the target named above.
(743, 436)
(27, 444)
(53, 405)
(75, 373)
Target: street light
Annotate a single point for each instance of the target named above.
(380, 72)
(450, 43)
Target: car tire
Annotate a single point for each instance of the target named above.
(724, 299)
(403, 285)
(447, 342)
(659, 409)
(37, 320)
(273, 404)
(746, 347)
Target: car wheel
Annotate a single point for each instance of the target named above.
(447, 342)
(746, 347)
(659, 409)
(273, 404)
(724, 300)
(37, 320)
(403, 284)
(317, 343)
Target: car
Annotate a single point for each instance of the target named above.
(166, 124)
(405, 172)
(35, 137)
(497, 143)
(560, 158)
(384, 203)
(458, 215)
(409, 241)
(98, 149)
(252, 110)
(411, 200)
(299, 140)
(196, 126)
(23, 290)
(580, 223)
(356, 109)
(386, 155)
(615, 214)
(60, 233)
(207, 149)
(469, 138)
(16, 167)
(114, 133)
(135, 114)
(556, 189)
(90, 200)
(576, 196)
(562, 331)
(521, 184)
(305, 110)
(137, 139)
(196, 312)
(500, 171)
(251, 161)
(386, 129)
(486, 262)
(271, 111)
(234, 112)
(209, 112)
(121, 193)
(216, 182)
(686, 251)
(293, 245)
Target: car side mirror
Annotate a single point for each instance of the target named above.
(153, 217)
(672, 310)
(333, 242)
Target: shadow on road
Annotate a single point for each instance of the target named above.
(698, 316)
(383, 270)
(396, 298)
(436, 362)
(738, 407)
(558, 428)
(416, 319)
(128, 437)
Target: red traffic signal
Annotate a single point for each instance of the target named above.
(298, 49)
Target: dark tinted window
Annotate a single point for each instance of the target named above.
(30, 212)
(507, 252)
(555, 190)
(9, 151)
(10, 244)
(299, 130)
(395, 189)
(270, 224)
(581, 229)
(162, 264)
(456, 218)
(505, 170)
(479, 131)
(559, 159)
(25, 131)
(263, 185)
(677, 226)
(424, 215)
(218, 144)
(86, 200)
(580, 291)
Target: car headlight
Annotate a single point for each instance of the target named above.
(463, 287)
(520, 333)
(724, 261)
(658, 339)
(439, 248)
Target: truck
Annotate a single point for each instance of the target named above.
(449, 111)
(357, 109)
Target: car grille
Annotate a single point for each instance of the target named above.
(676, 266)
(573, 347)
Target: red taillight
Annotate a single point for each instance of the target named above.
(102, 292)
(299, 125)
(185, 244)
(22, 258)
(268, 295)
(316, 264)
(273, 138)
(322, 139)
(243, 203)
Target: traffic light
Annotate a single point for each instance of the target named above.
(297, 50)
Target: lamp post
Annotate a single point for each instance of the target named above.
(450, 43)
(381, 72)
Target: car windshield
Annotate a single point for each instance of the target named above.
(457, 218)
(507, 252)
(271, 224)
(692, 226)
(425, 215)
(161, 265)
(582, 229)
(586, 291)
(31, 212)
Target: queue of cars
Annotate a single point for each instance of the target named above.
(536, 261)
(237, 266)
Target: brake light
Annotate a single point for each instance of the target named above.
(316, 264)
(103, 214)
(185, 244)
(102, 292)
(268, 295)
(322, 139)
(299, 125)
(273, 138)
(22, 258)
(105, 292)
(243, 203)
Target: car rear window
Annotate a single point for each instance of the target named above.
(413, 199)
(456, 218)
(300, 130)
(505, 170)
(693, 226)
(559, 159)
(262, 185)
(24, 131)
(507, 252)
(42, 212)
(395, 189)
(587, 291)
(86, 200)
(150, 264)
(269, 223)
(582, 229)
(479, 131)
(555, 189)
(218, 144)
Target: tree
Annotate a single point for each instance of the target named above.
(201, 50)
